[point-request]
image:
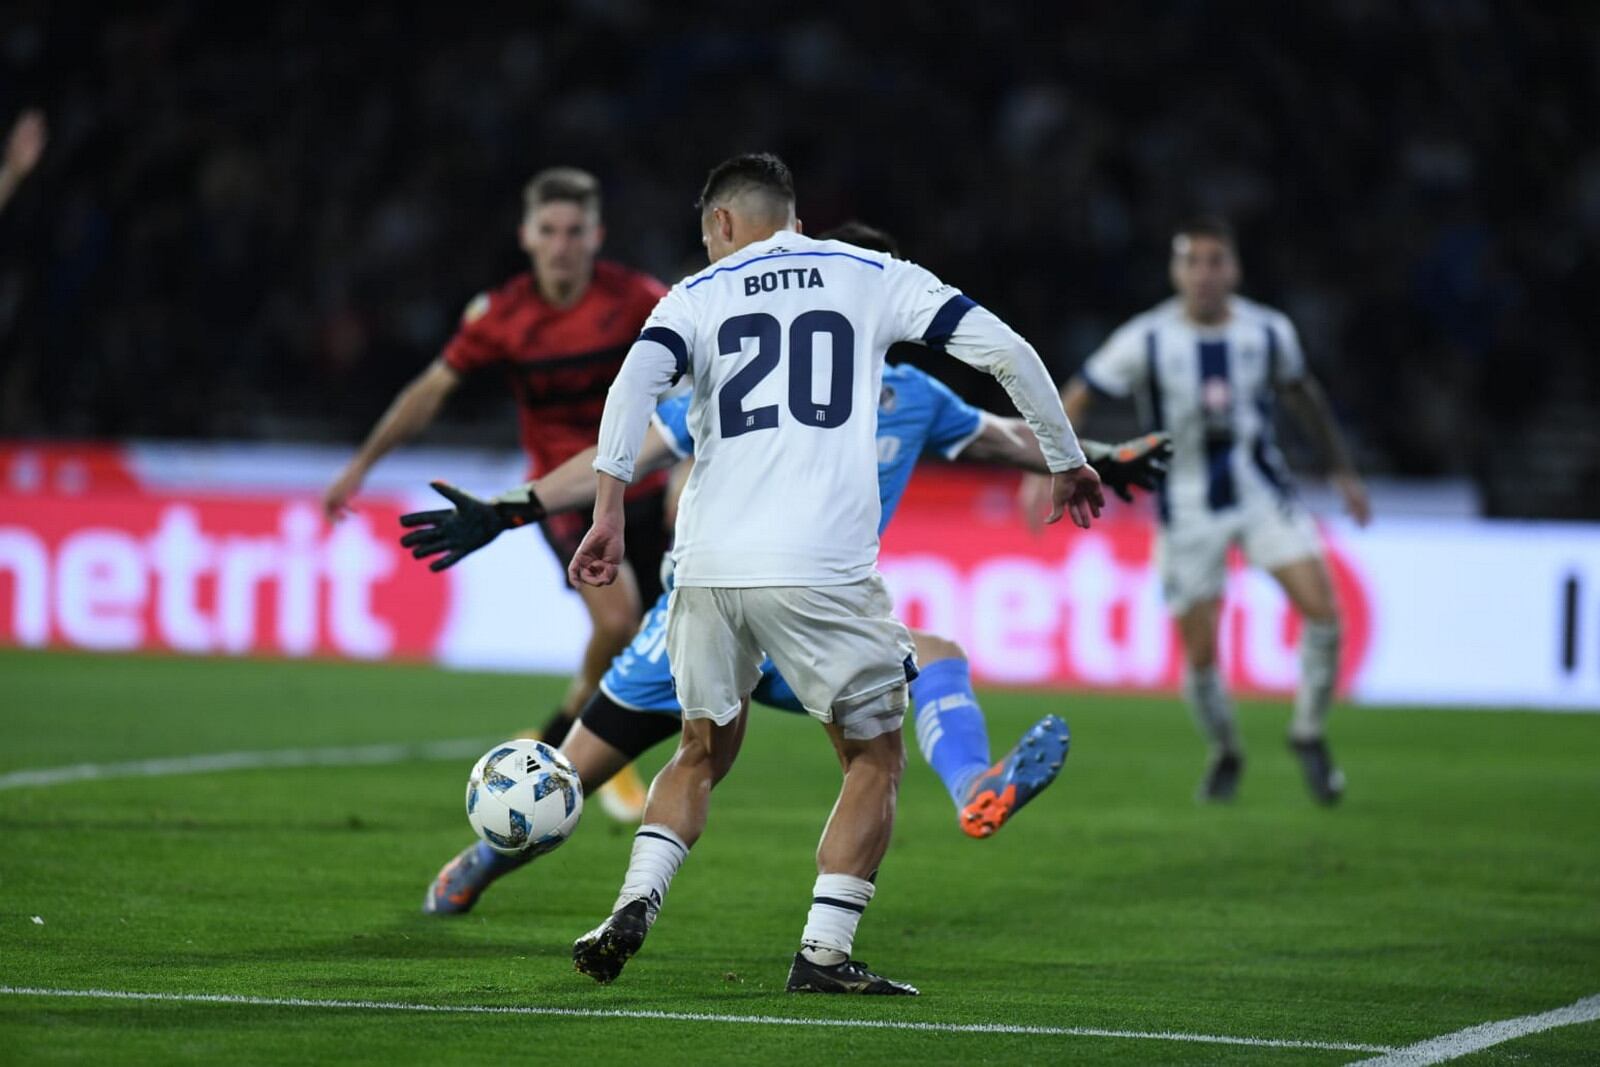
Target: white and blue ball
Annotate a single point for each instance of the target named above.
(524, 798)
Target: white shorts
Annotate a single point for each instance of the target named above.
(838, 646)
(1192, 551)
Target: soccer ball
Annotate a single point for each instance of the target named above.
(524, 798)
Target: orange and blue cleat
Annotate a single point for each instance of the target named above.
(1000, 792)
(459, 884)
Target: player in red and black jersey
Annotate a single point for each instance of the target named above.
(558, 334)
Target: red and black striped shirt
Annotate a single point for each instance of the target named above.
(558, 361)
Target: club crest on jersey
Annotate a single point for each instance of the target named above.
(787, 278)
(1216, 395)
(887, 401)
(477, 309)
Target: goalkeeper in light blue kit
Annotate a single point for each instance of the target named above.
(637, 708)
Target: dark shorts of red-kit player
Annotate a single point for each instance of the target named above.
(646, 539)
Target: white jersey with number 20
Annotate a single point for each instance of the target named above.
(784, 341)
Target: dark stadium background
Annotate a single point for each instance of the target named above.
(234, 735)
(257, 222)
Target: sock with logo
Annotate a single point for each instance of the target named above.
(657, 855)
(950, 728)
(837, 903)
(1319, 670)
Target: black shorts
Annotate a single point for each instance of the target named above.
(647, 540)
(631, 732)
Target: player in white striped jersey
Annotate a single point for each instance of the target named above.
(784, 338)
(1207, 367)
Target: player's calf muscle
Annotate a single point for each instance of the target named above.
(857, 835)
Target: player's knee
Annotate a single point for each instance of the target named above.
(695, 754)
(707, 753)
(1197, 627)
(892, 757)
(615, 626)
(932, 648)
(1200, 655)
(1317, 603)
(1322, 610)
(883, 757)
(1326, 619)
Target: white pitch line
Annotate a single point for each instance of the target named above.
(686, 1016)
(338, 756)
(1475, 1038)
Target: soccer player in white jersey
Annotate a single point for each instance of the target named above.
(784, 339)
(1207, 366)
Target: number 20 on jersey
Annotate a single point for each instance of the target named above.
(766, 331)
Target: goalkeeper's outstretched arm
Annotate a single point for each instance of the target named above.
(1138, 463)
(451, 534)
(571, 486)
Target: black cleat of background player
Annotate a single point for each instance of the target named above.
(851, 976)
(602, 952)
(1222, 778)
(1325, 781)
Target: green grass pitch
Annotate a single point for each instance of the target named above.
(1458, 884)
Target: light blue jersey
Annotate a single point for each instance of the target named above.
(917, 415)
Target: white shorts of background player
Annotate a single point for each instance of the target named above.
(1192, 548)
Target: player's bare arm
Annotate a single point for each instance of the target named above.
(1305, 398)
(1034, 494)
(600, 556)
(23, 148)
(456, 532)
(1008, 443)
(1076, 399)
(1076, 493)
(572, 485)
(410, 413)
(1136, 463)
(1043, 495)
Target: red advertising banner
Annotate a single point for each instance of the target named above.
(1069, 607)
(221, 549)
(124, 571)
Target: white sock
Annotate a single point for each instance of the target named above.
(1213, 711)
(837, 902)
(1319, 671)
(657, 855)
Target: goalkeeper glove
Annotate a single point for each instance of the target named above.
(1141, 462)
(472, 523)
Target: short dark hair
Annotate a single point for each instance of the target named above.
(858, 233)
(562, 183)
(1214, 226)
(761, 171)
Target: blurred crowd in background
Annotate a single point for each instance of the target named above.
(259, 222)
